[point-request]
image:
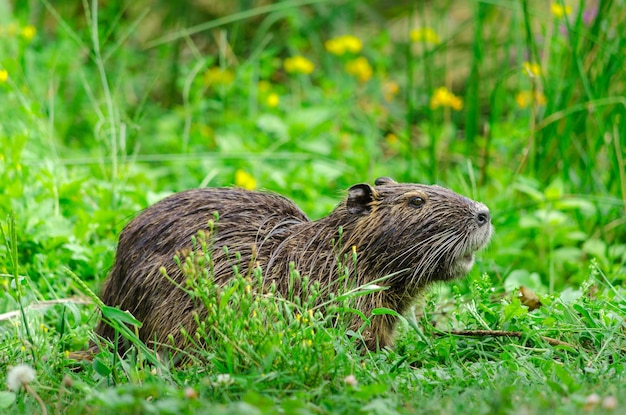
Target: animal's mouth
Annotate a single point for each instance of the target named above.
(461, 265)
(462, 261)
(468, 257)
(466, 261)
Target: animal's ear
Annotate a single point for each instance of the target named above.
(384, 180)
(359, 198)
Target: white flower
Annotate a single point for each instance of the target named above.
(224, 379)
(610, 403)
(20, 375)
(190, 393)
(593, 399)
(350, 380)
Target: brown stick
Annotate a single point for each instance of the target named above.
(502, 333)
(35, 395)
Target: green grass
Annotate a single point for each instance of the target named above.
(107, 109)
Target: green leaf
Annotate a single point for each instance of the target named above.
(6, 399)
(567, 254)
(514, 309)
(101, 368)
(383, 310)
(529, 191)
(570, 295)
(522, 278)
(554, 191)
(309, 117)
(551, 218)
(596, 248)
(369, 391)
(272, 124)
(528, 222)
(258, 401)
(329, 171)
(586, 207)
(571, 384)
(380, 406)
(116, 314)
(226, 297)
(590, 322)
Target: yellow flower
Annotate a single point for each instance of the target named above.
(272, 100)
(532, 69)
(335, 47)
(298, 64)
(4, 75)
(245, 180)
(360, 68)
(342, 44)
(391, 139)
(560, 11)
(218, 76)
(426, 35)
(352, 44)
(28, 32)
(525, 98)
(442, 97)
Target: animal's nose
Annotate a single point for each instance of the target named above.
(483, 217)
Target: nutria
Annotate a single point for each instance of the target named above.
(413, 233)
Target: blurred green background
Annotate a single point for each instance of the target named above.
(107, 107)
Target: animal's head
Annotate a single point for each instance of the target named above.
(423, 232)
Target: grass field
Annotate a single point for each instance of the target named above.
(107, 108)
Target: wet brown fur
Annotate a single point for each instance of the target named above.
(413, 233)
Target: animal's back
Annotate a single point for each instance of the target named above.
(245, 220)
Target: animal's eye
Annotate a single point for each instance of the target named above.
(417, 201)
